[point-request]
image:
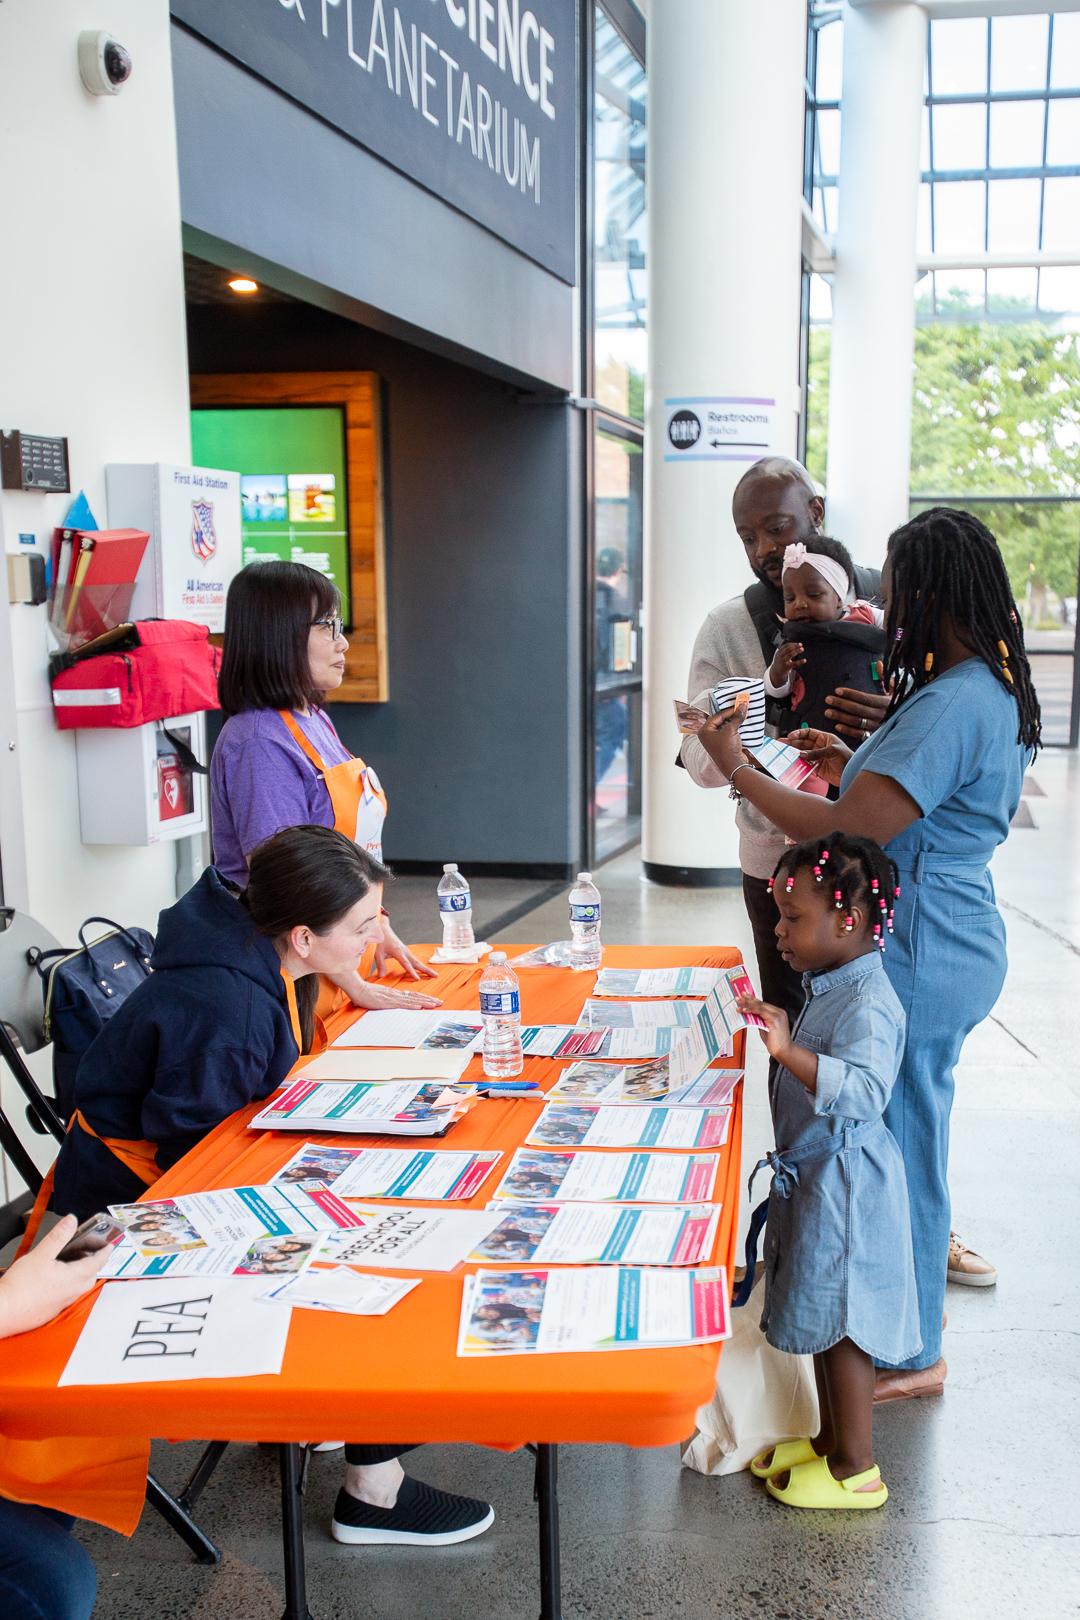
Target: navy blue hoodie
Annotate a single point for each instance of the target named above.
(206, 1034)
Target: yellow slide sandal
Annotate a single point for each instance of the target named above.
(785, 1454)
(811, 1485)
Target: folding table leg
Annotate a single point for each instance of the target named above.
(180, 1521)
(201, 1473)
(292, 1533)
(547, 1495)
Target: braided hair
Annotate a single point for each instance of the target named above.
(947, 566)
(856, 871)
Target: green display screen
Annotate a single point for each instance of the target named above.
(293, 496)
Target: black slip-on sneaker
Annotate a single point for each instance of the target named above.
(421, 1517)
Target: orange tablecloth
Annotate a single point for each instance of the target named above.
(396, 1378)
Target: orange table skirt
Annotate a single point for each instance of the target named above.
(398, 1377)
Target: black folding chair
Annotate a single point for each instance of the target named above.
(22, 1030)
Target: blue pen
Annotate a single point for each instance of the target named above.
(509, 1087)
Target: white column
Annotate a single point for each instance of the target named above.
(873, 327)
(724, 189)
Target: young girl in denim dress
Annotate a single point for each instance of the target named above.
(839, 1273)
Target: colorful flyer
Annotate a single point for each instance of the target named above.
(236, 1231)
(599, 1234)
(506, 1313)
(380, 1108)
(604, 1082)
(783, 763)
(434, 1175)
(650, 1015)
(675, 981)
(574, 1125)
(337, 1289)
(592, 1178)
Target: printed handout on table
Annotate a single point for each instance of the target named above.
(371, 1063)
(536, 1177)
(178, 1328)
(713, 1089)
(435, 1175)
(596, 1308)
(405, 1238)
(235, 1231)
(604, 1082)
(444, 1030)
(644, 1015)
(574, 1125)
(601, 1234)
(674, 981)
(381, 1108)
(338, 1289)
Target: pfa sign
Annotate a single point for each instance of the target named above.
(720, 427)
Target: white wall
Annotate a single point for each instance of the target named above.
(93, 347)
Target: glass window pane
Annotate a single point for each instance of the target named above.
(1011, 291)
(1063, 136)
(960, 292)
(619, 281)
(1061, 216)
(1016, 134)
(959, 216)
(830, 201)
(958, 56)
(827, 152)
(830, 52)
(1059, 290)
(819, 206)
(959, 137)
(820, 298)
(1018, 53)
(1065, 60)
(1014, 216)
(924, 148)
(924, 239)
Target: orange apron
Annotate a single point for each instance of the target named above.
(359, 805)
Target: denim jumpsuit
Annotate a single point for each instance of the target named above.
(953, 747)
(838, 1261)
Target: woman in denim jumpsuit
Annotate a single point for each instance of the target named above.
(937, 786)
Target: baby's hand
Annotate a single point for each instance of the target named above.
(789, 656)
(777, 1031)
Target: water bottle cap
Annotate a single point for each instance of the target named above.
(450, 867)
(584, 877)
(497, 956)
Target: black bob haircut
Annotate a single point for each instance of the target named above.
(269, 612)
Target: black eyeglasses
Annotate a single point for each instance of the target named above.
(335, 627)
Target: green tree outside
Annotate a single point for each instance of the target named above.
(996, 410)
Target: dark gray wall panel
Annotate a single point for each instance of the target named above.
(318, 216)
(479, 745)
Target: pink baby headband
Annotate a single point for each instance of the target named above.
(831, 572)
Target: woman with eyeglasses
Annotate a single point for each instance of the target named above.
(279, 762)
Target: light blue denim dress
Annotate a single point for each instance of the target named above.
(952, 746)
(838, 1259)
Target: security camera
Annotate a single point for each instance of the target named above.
(104, 64)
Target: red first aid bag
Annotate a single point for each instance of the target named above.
(152, 670)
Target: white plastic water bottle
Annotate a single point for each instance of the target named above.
(500, 1008)
(586, 951)
(455, 908)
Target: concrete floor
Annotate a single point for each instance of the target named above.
(983, 1517)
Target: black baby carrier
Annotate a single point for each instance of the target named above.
(837, 653)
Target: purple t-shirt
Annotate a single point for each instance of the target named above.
(261, 781)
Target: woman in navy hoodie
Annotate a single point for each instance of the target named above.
(219, 1023)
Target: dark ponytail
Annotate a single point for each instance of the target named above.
(307, 877)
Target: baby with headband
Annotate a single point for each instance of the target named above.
(828, 638)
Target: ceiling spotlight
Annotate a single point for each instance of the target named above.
(243, 284)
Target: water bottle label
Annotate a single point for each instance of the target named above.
(504, 1003)
(455, 902)
(585, 914)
